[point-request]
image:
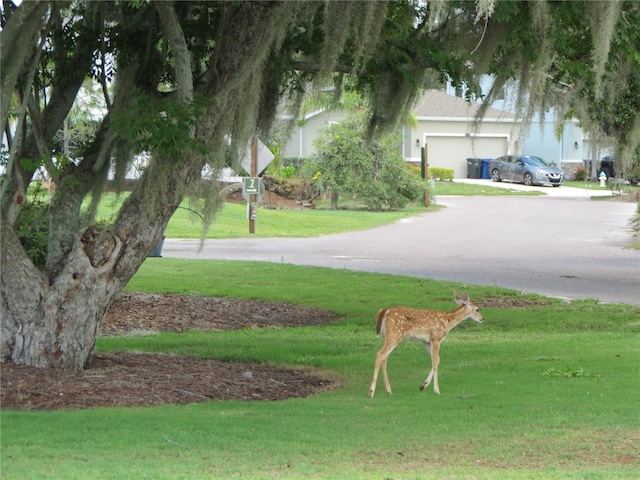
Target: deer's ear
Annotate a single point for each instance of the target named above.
(465, 297)
(457, 298)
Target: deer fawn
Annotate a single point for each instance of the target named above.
(428, 326)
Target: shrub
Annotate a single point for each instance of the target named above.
(372, 170)
(582, 174)
(417, 171)
(288, 171)
(296, 162)
(33, 231)
(441, 173)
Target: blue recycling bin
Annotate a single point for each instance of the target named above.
(484, 172)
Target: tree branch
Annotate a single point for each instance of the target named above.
(18, 37)
(103, 80)
(304, 64)
(181, 56)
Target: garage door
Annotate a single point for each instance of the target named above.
(453, 151)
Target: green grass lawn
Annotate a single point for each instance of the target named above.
(231, 221)
(586, 185)
(543, 390)
(467, 189)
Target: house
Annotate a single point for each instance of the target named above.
(566, 148)
(444, 124)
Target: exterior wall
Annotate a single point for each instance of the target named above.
(569, 148)
(300, 142)
(567, 152)
(538, 143)
(574, 148)
(293, 147)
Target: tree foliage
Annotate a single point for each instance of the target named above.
(191, 82)
(580, 58)
(344, 163)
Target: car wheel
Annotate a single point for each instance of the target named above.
(495, 175)
(528, 179)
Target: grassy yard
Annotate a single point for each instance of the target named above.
(466, 189)
(231, 221)
(543, 389)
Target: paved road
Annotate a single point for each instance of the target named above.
(561, 245)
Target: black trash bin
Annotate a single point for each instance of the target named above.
(474, 167)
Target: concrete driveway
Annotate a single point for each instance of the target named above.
(561, 245)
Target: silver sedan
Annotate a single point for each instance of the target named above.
(525, 169)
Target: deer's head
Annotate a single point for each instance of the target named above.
(473, 312)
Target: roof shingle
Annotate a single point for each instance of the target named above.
(438, 104)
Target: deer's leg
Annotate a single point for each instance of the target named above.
(387, 385)
(427, 381)
(381, 361)
(435, 361)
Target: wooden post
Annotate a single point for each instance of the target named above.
(254, 173)
(424, 161)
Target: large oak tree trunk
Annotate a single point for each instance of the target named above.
(53, 323)
(51, 319)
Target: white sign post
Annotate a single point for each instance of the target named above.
(264, 157)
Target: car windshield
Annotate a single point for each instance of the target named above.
(535, 161)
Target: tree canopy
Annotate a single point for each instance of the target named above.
(191, 82)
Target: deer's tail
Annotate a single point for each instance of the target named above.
(381, 320)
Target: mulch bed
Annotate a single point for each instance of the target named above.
(124, 379)
(136, 313)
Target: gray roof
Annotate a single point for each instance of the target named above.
(438, 104)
